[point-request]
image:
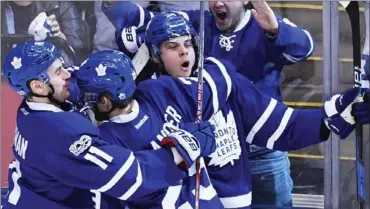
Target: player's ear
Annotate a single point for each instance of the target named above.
(105, 102)
(37, 87)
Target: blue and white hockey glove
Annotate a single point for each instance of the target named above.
(200, 142)
(204, 132)
(130, 39)
(361, 111)
(338, 111)
(39, 27)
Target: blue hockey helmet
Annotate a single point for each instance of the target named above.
(165, 26)
(29, 61)
(107, 71)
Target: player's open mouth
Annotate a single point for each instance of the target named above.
(221, 15)
(185, 64)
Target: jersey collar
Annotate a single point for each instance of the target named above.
(43, 107)
(244, 22)
(127, 117)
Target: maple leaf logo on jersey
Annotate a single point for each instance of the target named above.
(227, 141)
(101, 70)
(80, 145)
(17, 63)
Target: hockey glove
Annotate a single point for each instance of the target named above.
(39, 27)
(361, 110)
(204, 132)
(337, 110)
(130, 39)
(190, 146)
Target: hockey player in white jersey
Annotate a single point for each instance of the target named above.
(172, 46)
(60, 156)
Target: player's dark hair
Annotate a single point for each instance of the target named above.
(117, 104)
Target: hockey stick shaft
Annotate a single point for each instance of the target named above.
(200, 96)
(353, 11)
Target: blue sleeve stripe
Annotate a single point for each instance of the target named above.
(117, 177)
(283, 124)
(262, 120)
(212, 85)
(135, 186)
(224, 73)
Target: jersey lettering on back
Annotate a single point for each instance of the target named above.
(172, 123)
(20, 144)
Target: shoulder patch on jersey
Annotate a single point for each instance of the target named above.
(80, 145)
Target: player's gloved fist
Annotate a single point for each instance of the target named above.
(186, 145)
(130, 39)
(192, 141)
(204, 132)
(361, 111)
(39, 27)
(338, 111)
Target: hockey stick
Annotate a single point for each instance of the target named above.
(200, 96)
(365, 62)
(140, 59)
(353, 11)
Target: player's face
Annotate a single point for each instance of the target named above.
(178, 56)
(227, 14)
(59, 80)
